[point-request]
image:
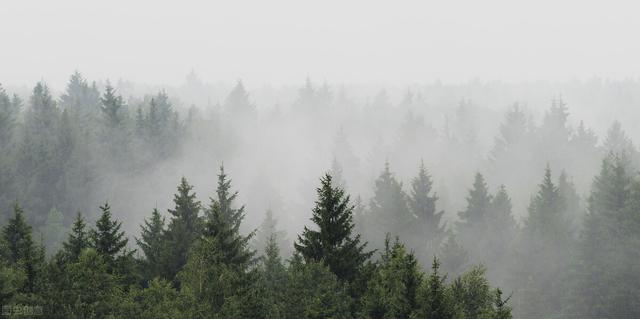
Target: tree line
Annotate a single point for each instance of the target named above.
(199, 265)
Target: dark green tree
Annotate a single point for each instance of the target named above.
(152, 242)
(434, 297)
(392, 292)
(107, 239)
(333, 243)
(77, 240)
(184, 228)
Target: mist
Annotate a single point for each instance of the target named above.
(493, 142)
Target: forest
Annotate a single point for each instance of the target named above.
(210, 201)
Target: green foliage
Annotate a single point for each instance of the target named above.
(183, 229)
(107, 239)
(77, 240)
(152, 243)
(333, 242)
(158, 301)
(435, 300)
(91, 292)
(392, 292)
(314, 292)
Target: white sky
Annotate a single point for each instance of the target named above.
(282, 42)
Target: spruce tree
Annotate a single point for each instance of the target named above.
(107, 239)
(389, 212)
(269, 228)
(434, 298)
(429, 227)
(77, 240)
(184, 228)
(333, 242)
(222, 227)
(152, 243)
(473, 221)
(392, 292)
(22, 252)
(237, 102)
(111, 106)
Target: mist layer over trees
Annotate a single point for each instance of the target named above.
(414, 202)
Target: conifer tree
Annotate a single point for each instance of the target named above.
(237, 102)
(473, 224)
(223, 225)
(152, 244)
(107, 239)
(111, 106)
(422, 202)
(269, 228)
(389, 212)
(77, 240)
(183, 229)
(22, 252)
(434, 298)
(333, 242)
(392, 292)
(454, 257)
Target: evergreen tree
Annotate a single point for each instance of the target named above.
(274, 275)
(223, 225)
(434, 298)
(392, 292)
(22, 252)
(111, 106)
(389, 212)
(473, 224)
(77, 240)
(183, 229)
(314, 292)
(267, 230)
(53, 231)
(107, 239)
(92, 292)
(602, 250)
(152, 243)
(333, 243)
(429, 228)
(237, 102)
(454, 257)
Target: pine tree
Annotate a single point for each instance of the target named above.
(313, 292)
(501, 230)
(392, 292)
(434, 298)
(93, 292)
(183, 229)
(422, 203)
(274, 275)
(111, 106)
(237, 102)
(217, 273)
(152, 243)
(223, 225)
(53, 231)
(602, 250)
(333, 242)
(22, 252)
(77, 240)
(389, 212)
(473, 224)
(269, 228)
(454, 257)
(107, 239)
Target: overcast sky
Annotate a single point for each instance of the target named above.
(282, 42)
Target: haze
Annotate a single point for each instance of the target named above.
(282, 42)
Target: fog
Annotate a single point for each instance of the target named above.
(282, 92)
